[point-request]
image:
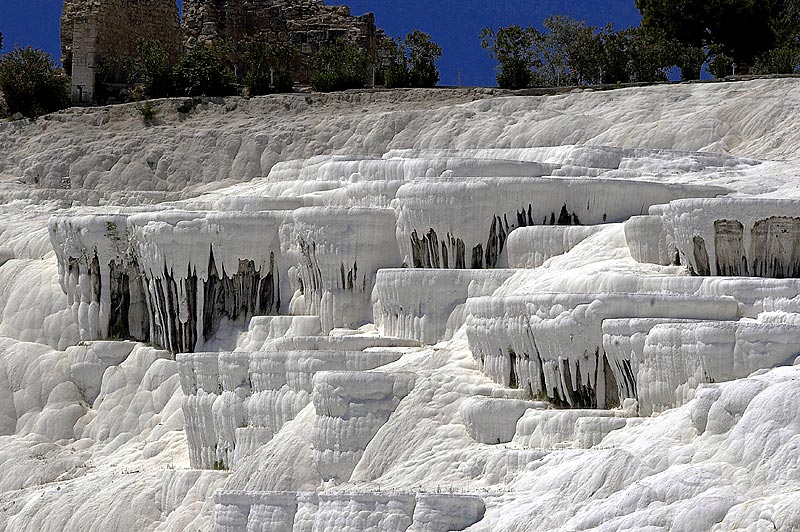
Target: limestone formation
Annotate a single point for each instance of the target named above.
(257, 245)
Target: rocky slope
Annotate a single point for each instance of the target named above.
(404, 310)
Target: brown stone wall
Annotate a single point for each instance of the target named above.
(306, 24)
(93, 30)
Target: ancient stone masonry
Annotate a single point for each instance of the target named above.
(93, 31)
(96, 31)
(305, 24)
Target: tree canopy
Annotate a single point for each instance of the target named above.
(747, 32)
(412, 61)
(269, 67)
(339, 65)
(570, 52)
(31, 83)
(515, 49)
(204, 71)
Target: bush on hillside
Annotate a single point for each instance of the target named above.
(514, 48)
(204, 71)
(151, 70)
(32, 83)
(756, 35)
(570, 52)
(782, 60)
(269, 68)
(339, 65)
(397, 71)
(412, 61)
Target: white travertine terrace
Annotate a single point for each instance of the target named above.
(427, 304)
(737, 236)
(434, 229)
(232, 398)
(289, 511)
(336, 254)
(415, 311)
(351, 407)
(552, 344)
(530, 247)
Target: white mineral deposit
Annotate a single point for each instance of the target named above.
(405, 311)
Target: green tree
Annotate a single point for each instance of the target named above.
(204, 71)
(412, 61)
(398, 71)
(782, 60)
(572, 52)
(742, 30)
(151, 69)
(339, 65)
(32, 83)
(649, 56)
(422, 56)
(689, 59)
(269, 68)
(616, 54)
(515, 49)
(719, 64)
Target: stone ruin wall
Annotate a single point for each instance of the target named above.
(306, 24)
(94, 30)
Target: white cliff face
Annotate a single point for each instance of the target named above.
(404, 311)
(435, 231)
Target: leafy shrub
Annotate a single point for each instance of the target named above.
(397, 73)
(570, 52)
(151, 69)
(748, 31)
(782, 60)
(514, 48)
(339, 66)
(269, 68)
(32, 83)
(148, 112)
(412, 62)
(423, 53)
(721, 65)
(204, 71)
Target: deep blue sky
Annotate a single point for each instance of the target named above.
(455, 25)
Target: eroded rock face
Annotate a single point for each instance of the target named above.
(174, 277)
(743, 237)
(236, 401)
(428, 304)
(436, 231)
(336, 254)
(351, 408)
(551, 345)
(287, 511)
(329, 413)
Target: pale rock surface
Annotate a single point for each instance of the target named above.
(266, 238)
(32, 306)
(427, 304)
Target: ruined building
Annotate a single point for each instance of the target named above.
(98, 31)
(306, 24)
